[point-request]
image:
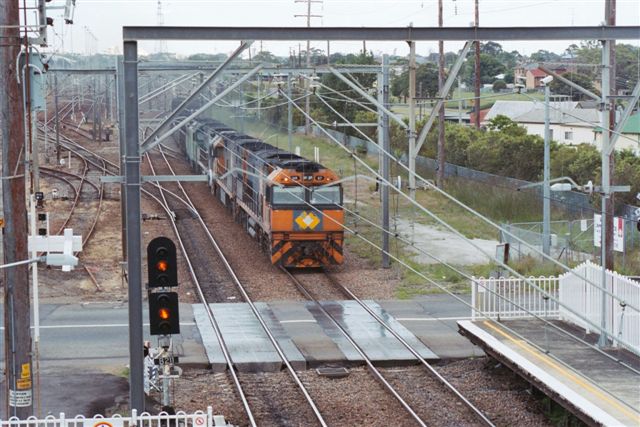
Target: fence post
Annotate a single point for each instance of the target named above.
(209, 416)
(134, 418)
(474, 290)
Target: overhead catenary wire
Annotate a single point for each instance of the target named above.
(468, 208)
(355, 232)
(469, 241)
(475, 213)
(446, 290)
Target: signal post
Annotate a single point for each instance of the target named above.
(164, 308)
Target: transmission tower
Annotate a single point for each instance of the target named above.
(161, 45)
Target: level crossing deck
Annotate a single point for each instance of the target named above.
(310, 339)
(598, 389)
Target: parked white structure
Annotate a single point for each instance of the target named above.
(562, 297)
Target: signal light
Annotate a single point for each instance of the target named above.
(162, 265)
(164, 314)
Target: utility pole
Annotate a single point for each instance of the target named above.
(459, 101)
(441, 147)
(386, 147)
(289, 115)
(412, 120)
(610, 19)
(55, 101)
(17, 333)
(546, 195)
(477, 70)
(307, 102)
(95, 109)
(608, 122)
(605, 225)
(328, 52)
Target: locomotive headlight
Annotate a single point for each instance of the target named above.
(319, 178)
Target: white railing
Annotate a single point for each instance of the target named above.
(582, 297)
(180, 419)
(510, 297)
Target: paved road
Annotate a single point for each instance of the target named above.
(84, 356)
(84, 347)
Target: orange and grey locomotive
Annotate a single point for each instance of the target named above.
(292, 206)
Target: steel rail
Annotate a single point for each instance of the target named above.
(208, 310)
(252, 306)
(45, 171)
(374, 371)
(408, 346)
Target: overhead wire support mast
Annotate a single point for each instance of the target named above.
(131, 35)
(308, 15)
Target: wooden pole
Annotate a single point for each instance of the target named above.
(17, 333)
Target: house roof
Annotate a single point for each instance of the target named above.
(587, 117)
(513, 109)
(632, 125)
(537, 72)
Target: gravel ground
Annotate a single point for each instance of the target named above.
(355, 400)
(358, 400)
(263, 281)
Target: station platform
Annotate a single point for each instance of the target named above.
(310, 339)
(597, 389)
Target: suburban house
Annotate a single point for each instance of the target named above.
(629, 138)
(569, 124)
(569, 127)
(514, 109)
(531, 74)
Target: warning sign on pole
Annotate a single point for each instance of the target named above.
(20, 398)
(618, 232)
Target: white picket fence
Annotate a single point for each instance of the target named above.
(510, 298)
(622, 321)
(180, 419)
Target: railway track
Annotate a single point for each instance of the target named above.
(186, 220)
(331, 282)
(272, 415)
(378, 376)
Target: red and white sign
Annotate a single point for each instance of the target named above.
(618, 232)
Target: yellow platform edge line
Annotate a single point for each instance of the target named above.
(567, 374)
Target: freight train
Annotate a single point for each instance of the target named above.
(290, 205)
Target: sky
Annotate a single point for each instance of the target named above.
(98, 23)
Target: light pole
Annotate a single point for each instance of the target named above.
(546, 194)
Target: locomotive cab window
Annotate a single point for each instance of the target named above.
(288, 196)
(326, 196)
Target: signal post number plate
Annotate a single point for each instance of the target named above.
(20, 398)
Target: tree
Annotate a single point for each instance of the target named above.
(207, 57)
(545, 56)
(499, 85)
(491, 48)
(491, 67)
(426, 77)
(344, 107)
(266, 56)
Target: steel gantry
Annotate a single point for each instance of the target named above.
(132, 149)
